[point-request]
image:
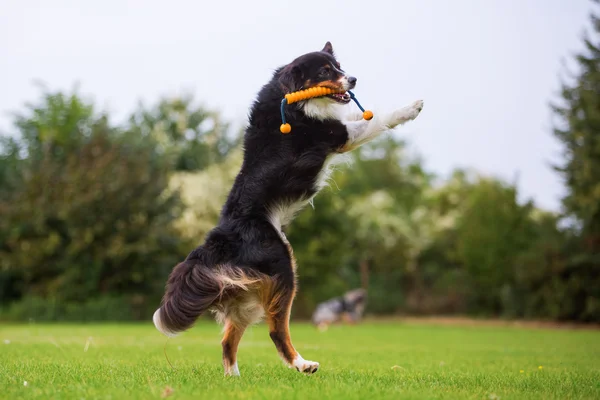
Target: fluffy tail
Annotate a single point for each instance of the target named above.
(191, 290)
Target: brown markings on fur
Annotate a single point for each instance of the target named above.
(331, 85)
(237, 311)
(193, 288)
(292, 257)
(230, 343)
(240, 306)
(278, 301)
(278, 308)
(328, 84)
(278, 318)
(346, 148)
(240, 301)
(236, 278)
(243, 294)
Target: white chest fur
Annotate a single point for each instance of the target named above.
(281, 214)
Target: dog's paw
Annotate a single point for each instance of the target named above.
(308, 367)
(232, 370)
(415, 109)
(407, 113)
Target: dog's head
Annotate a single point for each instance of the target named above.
(319, 68)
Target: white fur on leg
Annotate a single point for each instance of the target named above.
(363, 131)
(233, 370)
(406, 114)
(303, 365)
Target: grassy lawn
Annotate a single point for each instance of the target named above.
(370, 361)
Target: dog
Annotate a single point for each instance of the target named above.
(245, 269)
(349, 308)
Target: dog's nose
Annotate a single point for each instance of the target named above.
(351, 80)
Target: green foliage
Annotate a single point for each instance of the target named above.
(93, 217)
(203, 194)
(197, 137)
(56, 126)
(88, 213)
(493, 229)
(95, 308)
(360, 220)
(578, 129)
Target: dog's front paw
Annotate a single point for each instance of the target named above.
(308, 367)
(407, 113)
(415, 109)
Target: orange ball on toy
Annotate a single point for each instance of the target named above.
(368, 115)
(285, 128)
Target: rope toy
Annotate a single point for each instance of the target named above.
(318, 91)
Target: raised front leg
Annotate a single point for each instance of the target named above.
(363, 131)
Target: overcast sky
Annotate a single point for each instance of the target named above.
(485, 68)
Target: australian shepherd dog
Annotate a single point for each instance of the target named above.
(245, 269)
(348, 308)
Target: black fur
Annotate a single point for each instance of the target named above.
(276, 169)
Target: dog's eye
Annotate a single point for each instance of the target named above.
(324, 72)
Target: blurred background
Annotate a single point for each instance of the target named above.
(120, 133)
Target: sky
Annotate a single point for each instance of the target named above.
(486, 70)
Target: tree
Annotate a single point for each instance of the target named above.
(88, 213)
(491, 231)
(195, 135)
(204, 192)
(364, 220)
(578, 129)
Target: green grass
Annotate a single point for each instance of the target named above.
(370, 361)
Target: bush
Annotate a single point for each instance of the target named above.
(89, 214)
(44, 309)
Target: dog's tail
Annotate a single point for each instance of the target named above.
(192, 288)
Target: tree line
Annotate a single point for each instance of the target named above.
(93, 216)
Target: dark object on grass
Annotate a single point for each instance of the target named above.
(349, 308)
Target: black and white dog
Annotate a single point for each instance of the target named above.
(348, 308)
(246, 268)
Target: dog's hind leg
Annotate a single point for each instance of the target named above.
(233, 334)
(278, 317)
(241, 310)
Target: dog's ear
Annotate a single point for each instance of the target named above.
(290, 78)
(328, 48)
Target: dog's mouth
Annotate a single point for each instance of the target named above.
(343, 98)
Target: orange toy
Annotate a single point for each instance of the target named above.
(305, 94)
(310, 93)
